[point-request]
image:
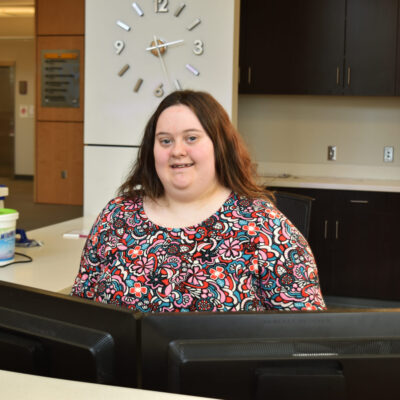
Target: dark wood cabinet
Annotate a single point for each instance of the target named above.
(318, 47)
(370, 51)
(353, 235)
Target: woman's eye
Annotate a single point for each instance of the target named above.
(165, 141)
(192, 138)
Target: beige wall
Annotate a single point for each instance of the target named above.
(290, 134)
(22, 53)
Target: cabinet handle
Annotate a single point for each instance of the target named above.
(337, 230)
(348, 76)
(337, 75)
(249, 76)
(359, 201)
(325, 229)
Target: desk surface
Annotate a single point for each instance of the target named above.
(18, 386)
(55, 264)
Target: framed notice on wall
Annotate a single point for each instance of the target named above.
(60, 78)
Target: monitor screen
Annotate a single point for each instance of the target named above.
(315, 355)
(54, 335)
(310, 355)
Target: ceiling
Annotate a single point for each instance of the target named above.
(17, 18)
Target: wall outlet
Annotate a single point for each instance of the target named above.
(332, 153)
(388, 154)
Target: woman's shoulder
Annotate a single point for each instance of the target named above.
(261, 206)
(122, 204)
(261, 210)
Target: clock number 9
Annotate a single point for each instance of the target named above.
(160, 6)
(119, 46)
(198, 47)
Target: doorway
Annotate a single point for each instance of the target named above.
(7, 120)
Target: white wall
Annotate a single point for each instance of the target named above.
(290, 134)
(22, 53)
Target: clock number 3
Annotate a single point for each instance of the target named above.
(198, 47)
(161, 6)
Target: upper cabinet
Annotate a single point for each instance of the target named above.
(318, 47)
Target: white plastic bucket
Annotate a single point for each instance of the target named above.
(8, 223)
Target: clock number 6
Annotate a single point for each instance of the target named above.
(161, 6)
(198, 47)
(159, 91)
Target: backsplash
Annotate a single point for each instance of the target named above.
(291, 134)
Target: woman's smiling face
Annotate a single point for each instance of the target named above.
(184, 154)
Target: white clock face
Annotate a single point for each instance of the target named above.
(167, 37)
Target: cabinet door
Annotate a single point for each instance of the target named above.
(389, 260)
(292, 46)
(320, 236)
(358, 251)
(371, 39)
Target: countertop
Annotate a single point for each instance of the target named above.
(315, 182)
(18, 386)
(55, 263)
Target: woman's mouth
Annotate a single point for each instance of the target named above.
(181, 165)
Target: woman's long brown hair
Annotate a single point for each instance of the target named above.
(233, 165)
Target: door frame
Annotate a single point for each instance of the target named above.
(13, 65)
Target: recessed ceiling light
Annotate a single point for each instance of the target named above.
(17, 11)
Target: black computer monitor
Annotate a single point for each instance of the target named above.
(311, 355)
(54, 335)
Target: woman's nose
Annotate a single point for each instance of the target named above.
(179, 148)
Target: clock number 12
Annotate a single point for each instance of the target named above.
(161, 6)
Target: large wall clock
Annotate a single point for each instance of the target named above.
(168, 36)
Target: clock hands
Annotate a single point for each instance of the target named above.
(163, 46)
(159, 50)
(164, 68)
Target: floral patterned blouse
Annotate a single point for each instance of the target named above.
(246, 257)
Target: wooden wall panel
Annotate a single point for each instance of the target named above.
(60, 17)
(60, 25)
(59, 148)
(59, 43)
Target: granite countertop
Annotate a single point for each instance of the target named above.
(315, 182)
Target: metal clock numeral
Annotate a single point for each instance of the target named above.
(119, 46)
(198, 47)
(159, 91)
(160, 6)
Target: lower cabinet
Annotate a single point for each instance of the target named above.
(354, 237)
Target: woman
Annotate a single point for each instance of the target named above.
(191, 230)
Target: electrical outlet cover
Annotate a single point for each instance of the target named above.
(388, 154)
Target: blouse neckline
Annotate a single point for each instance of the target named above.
(145, 218)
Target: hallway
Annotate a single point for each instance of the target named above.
(33, 215)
